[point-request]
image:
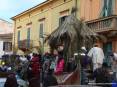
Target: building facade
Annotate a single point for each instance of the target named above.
(6, 32)
(33, 25)
(104, 22)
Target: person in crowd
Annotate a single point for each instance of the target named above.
(45, 64)
(60, 66)
(54, 57)
(31, 56)
(23, 67)
(71, 65)
(84, 61)
(34, 82)
(109, 58)
(97, 55)
(103, 76)
(11, 81)
(49, 79)
(113, 63)
(35, 65)
(114, 69)
(33, 71)
(29, 73)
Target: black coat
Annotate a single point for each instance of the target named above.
(50, 80)
(102, 76)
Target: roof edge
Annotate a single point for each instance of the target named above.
(31, 9)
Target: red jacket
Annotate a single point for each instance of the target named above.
(60, 67)
(35, 65)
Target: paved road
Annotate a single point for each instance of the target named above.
(20, 82)
(2, 81)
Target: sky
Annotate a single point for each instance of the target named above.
(10, 8)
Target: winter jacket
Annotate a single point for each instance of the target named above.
(35, 65)
(50, 80)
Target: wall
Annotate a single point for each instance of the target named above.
(1, 49)
(90, 9)
(49, 12)
(5, 27)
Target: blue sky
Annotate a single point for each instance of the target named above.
(10, 8)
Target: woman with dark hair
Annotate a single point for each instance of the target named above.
(11, 81)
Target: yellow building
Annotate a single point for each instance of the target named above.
(34, 24)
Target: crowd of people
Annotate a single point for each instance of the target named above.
(46, 70)
(37, 69)
(104, 69)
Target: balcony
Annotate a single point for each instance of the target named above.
(23, 44)
(103, 24)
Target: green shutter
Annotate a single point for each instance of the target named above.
(103, 14)
(41, 30)
(109, 12)
(18, 38)
(28, 38)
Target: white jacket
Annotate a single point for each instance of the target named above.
(96, 54)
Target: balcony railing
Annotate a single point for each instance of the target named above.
(24, 44)
(103, 24)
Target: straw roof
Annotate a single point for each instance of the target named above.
(73, 33)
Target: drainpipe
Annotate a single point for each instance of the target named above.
(14, 37)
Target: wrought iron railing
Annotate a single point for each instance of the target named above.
(103, 24)
(25, 44)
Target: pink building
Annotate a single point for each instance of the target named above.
(5, 27)
(6, 31)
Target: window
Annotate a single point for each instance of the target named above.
(18, 38)
(41, 30)
(64, 0)
(62, 19)
(107, 8)
(107, 47)
(7, 46)
(28, 38)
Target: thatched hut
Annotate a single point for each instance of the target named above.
(73, 34)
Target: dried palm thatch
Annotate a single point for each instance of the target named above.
(74, 34)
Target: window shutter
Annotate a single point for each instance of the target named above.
(28, 38)
(3, 46)
(18, 38)
(109, 12)
(103, 11)
(41, 30)
(62, 19)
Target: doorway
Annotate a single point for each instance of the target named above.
(107, 47)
